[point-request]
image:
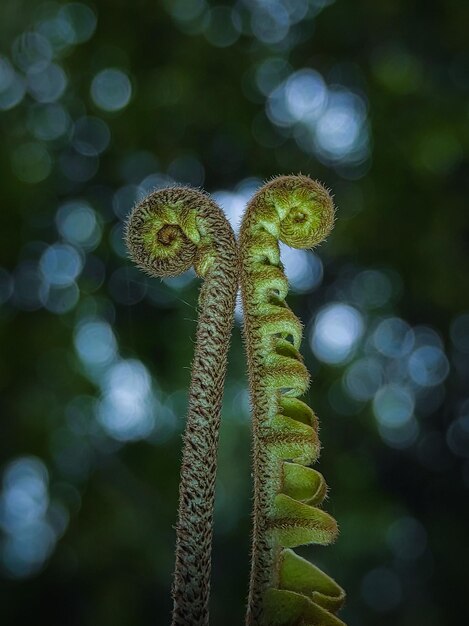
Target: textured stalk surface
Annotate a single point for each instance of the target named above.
(284, 589)
(168, 232)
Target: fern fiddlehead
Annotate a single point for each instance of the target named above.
(169, 231)
(285, 589)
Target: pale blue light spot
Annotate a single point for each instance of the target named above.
(270, 22)
(60, 300)
(60, 264)
(393, 337)
(126, 410)
(400, 436)
(111, 89)
(340, 127)
(25, 552)
(428, 366)
(81, 22)
(297, 9)
(25, 496)
(48, 85)
(393, 405)
(306, 95)
(24, 505)
(427, 336)
(336, 332)
(270, 73)
(277, 107)
(95, 343)
(31, 52)
(77, 223)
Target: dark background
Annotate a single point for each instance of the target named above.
(102, 102)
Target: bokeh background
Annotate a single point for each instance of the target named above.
(100, 103)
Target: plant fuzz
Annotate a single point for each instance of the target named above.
(168, 232)
(285, 589)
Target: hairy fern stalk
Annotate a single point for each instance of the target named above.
(168, 232)
(284, 589)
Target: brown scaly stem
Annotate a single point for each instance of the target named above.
(166, 233)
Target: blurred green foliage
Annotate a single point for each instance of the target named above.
(100, 103)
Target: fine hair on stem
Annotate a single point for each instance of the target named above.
(168, 232)
(285, 589)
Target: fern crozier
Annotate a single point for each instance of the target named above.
(167, 233)
(285, 590)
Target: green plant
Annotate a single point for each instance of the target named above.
(166, 233)
(285, 589)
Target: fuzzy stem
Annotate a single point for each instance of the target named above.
(166, 233)
(284, 589)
